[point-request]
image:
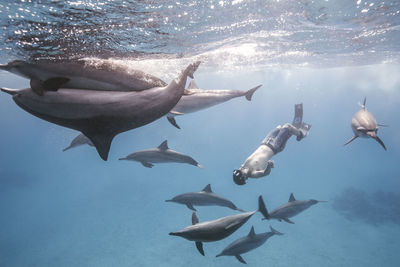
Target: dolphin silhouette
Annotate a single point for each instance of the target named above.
(160, 154)
(205, 197)
(247, 243)
(80, 74)
(196, 99)
(364, 125)
(217, 229)
(101, 115)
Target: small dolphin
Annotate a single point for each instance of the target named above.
(81, 139)
(196, 99)
(247, 243)
(160, 154)
(217, 229)
(364, 125)
(205, 197)
(101, 115)
(290, 209)
(50, 76)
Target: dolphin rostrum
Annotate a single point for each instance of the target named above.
(217, 229)
(79, 74)
(160, 154)
(290, 209)
(205, 197)
(364, 125)
(81, 139)
(101, 115)
(196, 99)
(247, 243)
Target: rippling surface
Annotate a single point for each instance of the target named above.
(323, 33)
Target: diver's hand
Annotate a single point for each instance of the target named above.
(271, 164)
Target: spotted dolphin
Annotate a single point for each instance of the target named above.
(80, 74)
(196, 99)
(80, 140)
(217, 229)
(160, 154)
(101, 115)
(247, 243)
(205, 197)
(290, 209)
(364, 125)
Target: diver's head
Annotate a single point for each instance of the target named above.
(238, 177)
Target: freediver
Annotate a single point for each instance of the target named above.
(259, 164)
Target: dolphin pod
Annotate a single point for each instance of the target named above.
(364, 125)
(217, 229)
(101, 115)
(196, 99)
(79, 74)
(205, 197)
(290, 209)
(160, 154)
(247, 243)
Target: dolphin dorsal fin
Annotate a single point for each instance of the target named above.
(207, 189)
(163, 146)
(192, 85)
(195, 220)
(291, 198)
(251, 233)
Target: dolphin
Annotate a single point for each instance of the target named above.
(101, 115)
(247, 243)
(79, 74)
(196, 99)
(205, 197)
(160, 154)
(81, 139)
(290, 209)
(364, 125)
(217, 229)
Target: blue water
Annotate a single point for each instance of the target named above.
(73, 209)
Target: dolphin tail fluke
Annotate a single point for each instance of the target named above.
(9, 91)
(249, 93)
(274, 231)
(380, 142)
(102, 142)
(262, 208)
(173, 122)
(351, 140)
(199, 246)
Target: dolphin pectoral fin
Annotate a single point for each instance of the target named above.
(192, 85)
(176, 113)
(190, 206)
(9, 91)
(102, 142)
(382, 125)
(147, 164)
(199, 247)
(53, 84)
(287, 220)
(195, 219)
(351, 140)
(380, 142)
(67, 148)
(262, 208)
(173, 122)
(249, 93)
(188, 92)
(239, 258)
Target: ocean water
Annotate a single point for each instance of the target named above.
(73, 209)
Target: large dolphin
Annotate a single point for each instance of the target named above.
(247, 243)
(81, 139)
(196, 99)
(79, 74)
(217, 229)
(364, 125)
(160, 154)
(290, 209)
(101, 115)
(205, 197)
